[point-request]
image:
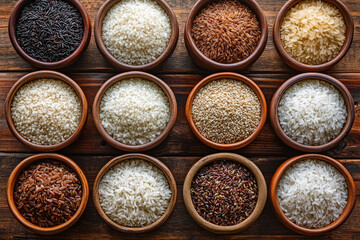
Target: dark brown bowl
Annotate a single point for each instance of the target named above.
(50, 65)
(274, 119)
(299, 66)
(167, 173)
(228, 75)
(126, 67)
(200, 59)
(261, 195)
(10, 192)
(53, 75)
(135, 74)
(312, 231)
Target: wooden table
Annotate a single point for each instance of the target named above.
(181, 149)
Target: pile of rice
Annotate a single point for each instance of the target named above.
(312, 112)
(134, 111)
(46, 111)
(312, 193)
(313, 32)
(136, 32)
(134, 193)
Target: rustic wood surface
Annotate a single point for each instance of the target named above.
(181, 149)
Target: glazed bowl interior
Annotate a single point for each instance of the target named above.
(312, 231)
(51, 75)
(274, 118)
(13, 179)
(209, 64)
(302, 67)
(146, 76)
(167, 173)
(234, 76)
(262, 193)
(73, 57)
(127, 67)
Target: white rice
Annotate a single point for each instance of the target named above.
(136, 32)
(134, 193)
(312, 193)
(312, 112)
(46, 111)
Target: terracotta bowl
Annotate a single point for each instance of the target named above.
(126, 67)
(13, 179)
(299, 66)
(262, 193)
(312, 231)
(228, 75)
(200, 59)
(167, 173)
(274, 119)
(50, 65)
(146, 76)
(52, 75)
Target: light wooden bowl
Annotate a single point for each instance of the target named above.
(308, 231)
(167, 173)
(299, 66)
(126, 67)
(146, 76)
(52, 75)
(228, 75)
(262, 193)
(13, 179)
(50, 65)
(200, 59)
(274, 118)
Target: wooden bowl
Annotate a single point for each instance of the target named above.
(309, 231)
(126, 67)
(52, 75)
(200, 59)
(274, 119)
(262, 193)
(302, 67)
(228, 75)
(167, 173)
(50, 65)
(10, 192)
(146, 76)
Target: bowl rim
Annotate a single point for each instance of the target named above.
(52, 75)
(170, 47)
(262, 192)
(146, 76)
(237, 77)
(308, 231)
(302, 67)
(207, 63)
(131, 156)
(19, 169)
(73, 57)
(274, 118)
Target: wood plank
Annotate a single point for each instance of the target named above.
(180, 225)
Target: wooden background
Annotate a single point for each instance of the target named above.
(181, 149)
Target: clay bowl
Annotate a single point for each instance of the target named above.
(13, 179)
(200, 59)
(274, 119)
(312, 231)
(52, 75)
(146, 76)
(262, 193)
(167, 173)
(126, 67)
(228, 75)
(299, 66)
(50, 65)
